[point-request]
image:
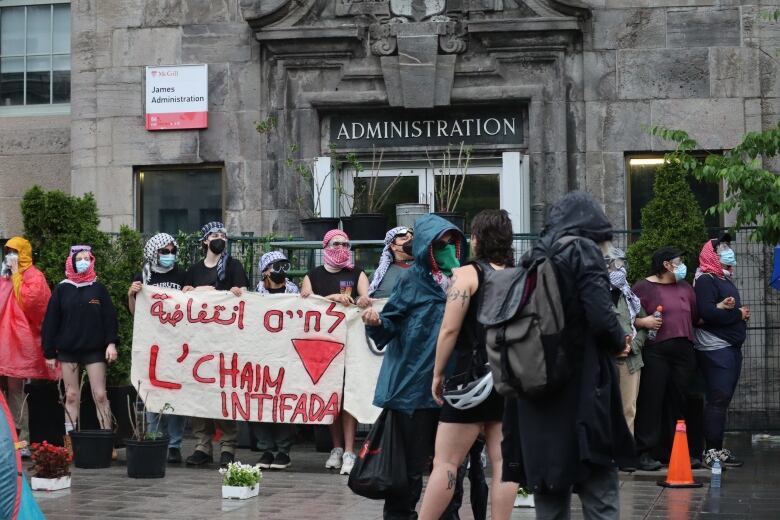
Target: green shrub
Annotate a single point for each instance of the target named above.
(53, 221)
(671, 218)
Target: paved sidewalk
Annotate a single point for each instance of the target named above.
(308, 491)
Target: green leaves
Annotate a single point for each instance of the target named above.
(751, 190)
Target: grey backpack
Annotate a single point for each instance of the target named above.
(523, 316)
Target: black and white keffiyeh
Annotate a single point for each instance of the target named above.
(268, 259)
(205, 231)
(151, 257)
(386, 260)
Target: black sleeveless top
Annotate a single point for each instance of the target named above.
(471, 339)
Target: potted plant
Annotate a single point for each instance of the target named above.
(314, 225)
(366, 221)
(240, 481)
(51, 467)
(92, 448)
(524, 498)
(147, 449)
(450, 175)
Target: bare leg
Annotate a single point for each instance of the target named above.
(452, 444)
(70, 376)
(18, 405)
(337, 432)
(97, 381)
(349, 425)
(502, 494)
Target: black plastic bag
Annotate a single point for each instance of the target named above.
(380, 469)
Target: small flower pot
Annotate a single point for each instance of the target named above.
(524, 501)
(240, 492)
(92, 448)
(147, 458)
(49, 484)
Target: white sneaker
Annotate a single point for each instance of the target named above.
(334, 461)
(347, 462)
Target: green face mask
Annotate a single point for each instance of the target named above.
(447, 259)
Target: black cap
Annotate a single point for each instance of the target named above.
(663, 255)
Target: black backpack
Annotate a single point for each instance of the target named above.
(522, 312)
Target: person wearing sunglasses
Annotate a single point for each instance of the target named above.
(274, 439)
(392, 263)
(340, 281)
(24, 295)
(160, 270)
(407, 329)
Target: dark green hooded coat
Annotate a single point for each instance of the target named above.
(410, 325)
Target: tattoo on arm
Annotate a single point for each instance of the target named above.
(450, 479)
(455, 294)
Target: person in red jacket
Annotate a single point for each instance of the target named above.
(24, 295)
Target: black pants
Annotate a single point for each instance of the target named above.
(721, 370)
(419, 435)
(668, 368)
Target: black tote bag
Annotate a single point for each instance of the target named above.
(380, 469)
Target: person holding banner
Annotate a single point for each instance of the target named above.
(393, 262)
(409, 325)
(338, 280)
(160, 270)
(274, 439)
(80, 328)
(469, 402)
(217, 271)
(24, 295)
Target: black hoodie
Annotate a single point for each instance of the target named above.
(554, 442)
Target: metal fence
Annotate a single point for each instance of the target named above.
(756, 404)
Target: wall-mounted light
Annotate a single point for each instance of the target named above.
(648, 161)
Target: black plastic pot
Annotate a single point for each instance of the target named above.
(92, 448)
(457, 219)
(147, 458)
(47, 418)
(315, 228)
(117, 398)
(365, 226)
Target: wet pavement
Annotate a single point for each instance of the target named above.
(307, 491)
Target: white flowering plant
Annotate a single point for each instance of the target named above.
(241, 475)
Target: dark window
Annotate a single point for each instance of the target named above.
(35, 54)
(641, 175)
(181, 199)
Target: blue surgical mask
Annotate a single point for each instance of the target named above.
(167, 260)
(680, 272)
(727, 257)
(82, 265)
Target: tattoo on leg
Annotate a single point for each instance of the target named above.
(450, 479)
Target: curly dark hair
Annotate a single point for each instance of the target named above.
(493, 229)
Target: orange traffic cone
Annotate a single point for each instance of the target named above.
(680, 474)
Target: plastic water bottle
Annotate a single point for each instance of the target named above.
(657, 314)
(716, 471)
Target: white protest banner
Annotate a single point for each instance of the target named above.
(362, 370)
(267, 358)
(177, 97)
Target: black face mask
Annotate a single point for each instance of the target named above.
(277, 277)
(407, 247)
(217, 246)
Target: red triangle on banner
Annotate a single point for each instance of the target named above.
(317, 355)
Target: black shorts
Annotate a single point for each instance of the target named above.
(489, 410)
(82, 358)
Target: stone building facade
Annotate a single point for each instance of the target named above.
(584, 80)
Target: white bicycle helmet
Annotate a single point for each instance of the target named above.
(463, 395)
